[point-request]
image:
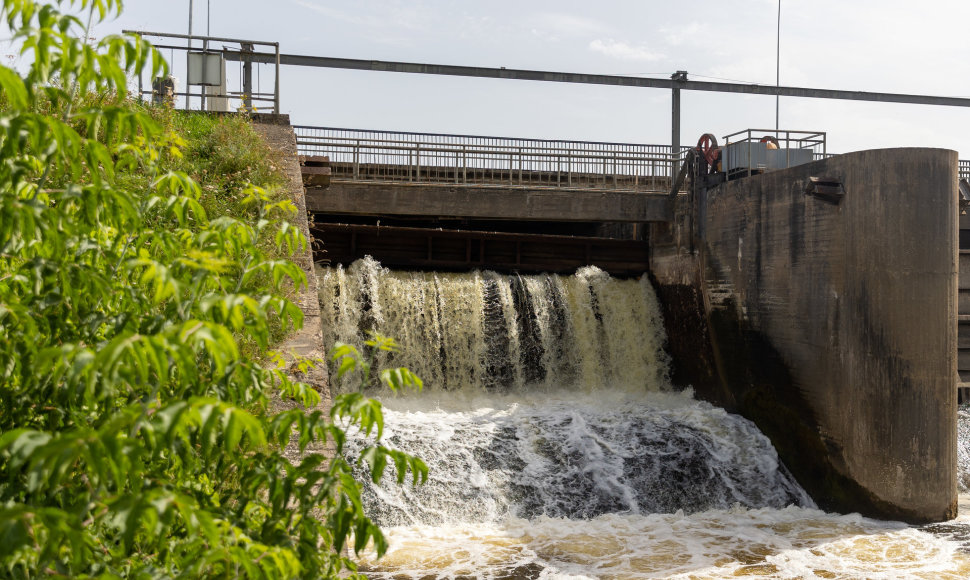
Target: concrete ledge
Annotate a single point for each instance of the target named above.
(486, 202)
(308, 342)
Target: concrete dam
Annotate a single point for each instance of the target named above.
(817, 300)
(830, 322)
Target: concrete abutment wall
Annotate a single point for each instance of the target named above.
(829, 324)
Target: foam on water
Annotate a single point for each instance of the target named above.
(792, 542)
(575, 455)
(522, 489)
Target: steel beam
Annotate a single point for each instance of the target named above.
(595, 79)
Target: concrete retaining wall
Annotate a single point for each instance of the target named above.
(831, 325)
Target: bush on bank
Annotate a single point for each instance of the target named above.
(136, 438)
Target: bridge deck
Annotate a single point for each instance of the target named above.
(486, 202)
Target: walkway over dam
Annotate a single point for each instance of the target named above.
(491, 178)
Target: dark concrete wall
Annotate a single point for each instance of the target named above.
(831, 325)
(486, 202)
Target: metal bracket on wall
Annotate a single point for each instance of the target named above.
(828, 189)
(964, 196)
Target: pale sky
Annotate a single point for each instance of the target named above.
(889, 46)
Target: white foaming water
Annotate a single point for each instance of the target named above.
(557, 450)
(792, 542)
(963, 448)
(577, 456)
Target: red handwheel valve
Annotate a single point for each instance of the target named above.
(707, 145)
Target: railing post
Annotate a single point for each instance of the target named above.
(511, 170)
(276, 91)
(456, 167)
(357, 161)
(615, 185)
(464, 164)
(558, 169)
(246, 51)
(417, 162)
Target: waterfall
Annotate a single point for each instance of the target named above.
(484, 331)
(550, 397)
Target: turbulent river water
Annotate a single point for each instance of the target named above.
(558, 448)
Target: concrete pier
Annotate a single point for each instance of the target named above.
(829, 322)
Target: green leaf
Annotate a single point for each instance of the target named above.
(13, 88)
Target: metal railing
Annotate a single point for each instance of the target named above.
(476, 160)
(758, 150)
(217, 96)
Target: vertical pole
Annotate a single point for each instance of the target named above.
(777, 66)
(247, 50)
(205, 60)
(357, 161)
(680, 75)
(188, 87)
(276, 102)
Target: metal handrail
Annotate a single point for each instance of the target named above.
(470, 159)
(436, 148)
(467, 137)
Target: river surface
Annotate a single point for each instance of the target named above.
(558, 448)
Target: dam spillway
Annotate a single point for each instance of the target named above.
(549, 476)
(818, 301)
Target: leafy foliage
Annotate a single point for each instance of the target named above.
(136, 437)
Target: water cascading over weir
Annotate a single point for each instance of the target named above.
(546, 396)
